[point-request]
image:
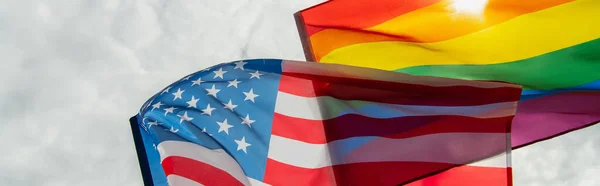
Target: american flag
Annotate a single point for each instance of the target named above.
(278, 122)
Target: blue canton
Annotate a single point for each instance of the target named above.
(228, 106)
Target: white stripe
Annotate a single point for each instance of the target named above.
(439, 148)
(175, 180)
(312, 108)
(497, 161)
(502, 160)
(254, 182)
(298, 153)
(216, 158)
(347, 71)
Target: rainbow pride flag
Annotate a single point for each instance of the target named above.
(550, 47)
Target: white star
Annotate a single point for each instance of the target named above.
(166, 90)
(234, 83)
(247, 120)
(224, 126)
(204, 129)
(213, 91)
(178, 94)
(242, 144)
(250, 95)
(192, 102)
(219, 73)
(157, 105)
(152, 123)
(184, 117)
(239, 65)
(169, 110)
(173, 130)
(187, 77)
(197, 82)
(230, 105)
(208, 110)
(255, 74)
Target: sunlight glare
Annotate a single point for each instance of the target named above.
(469, 6)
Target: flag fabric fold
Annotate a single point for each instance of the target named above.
(278, 122)
(549, 47)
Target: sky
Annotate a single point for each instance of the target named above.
(73, 72)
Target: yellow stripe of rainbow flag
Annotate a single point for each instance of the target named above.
(543, 32)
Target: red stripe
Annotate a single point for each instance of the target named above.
(376, 173)
(392, 92)
(446, 124)
(296, 86)
(352, 125)
(359, 13)
(198, 171)
(310, 30)
(468, 176)
(277, 173)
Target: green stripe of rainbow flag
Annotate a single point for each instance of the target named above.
(550, 47)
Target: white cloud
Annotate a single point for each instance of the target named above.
(73, 72)
(570, 159)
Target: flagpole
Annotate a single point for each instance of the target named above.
(141, 152)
